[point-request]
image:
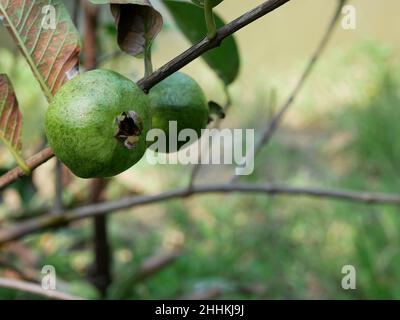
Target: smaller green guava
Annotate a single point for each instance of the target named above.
(178, 98)
(97, 123)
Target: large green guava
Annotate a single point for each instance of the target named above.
(178, 98)
(97, 124)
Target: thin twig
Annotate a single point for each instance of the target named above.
(51, 221)
(35, 289)
(174, 65)
(277, 119)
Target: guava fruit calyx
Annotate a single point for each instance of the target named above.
(129, 129)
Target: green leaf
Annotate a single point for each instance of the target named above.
(10, 121)
(224, 60)
(47, 38)
(137, 22)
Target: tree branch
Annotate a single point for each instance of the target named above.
(174, 65)
(51, 221)
(35, 289)
(207, 44)
(217, 124)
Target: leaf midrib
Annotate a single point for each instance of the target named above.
(28, 57)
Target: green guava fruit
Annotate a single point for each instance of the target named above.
(97, 124)
(178, 98)
(200, 3)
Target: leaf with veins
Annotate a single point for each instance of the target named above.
(52, 53)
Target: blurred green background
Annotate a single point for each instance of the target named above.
(341, 132)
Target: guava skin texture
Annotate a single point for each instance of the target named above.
(178, 98)
(83, 124)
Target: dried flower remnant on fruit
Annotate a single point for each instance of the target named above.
(130, 126)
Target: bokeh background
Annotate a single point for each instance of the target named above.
(341, 132)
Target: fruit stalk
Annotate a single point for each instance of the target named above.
(210, 20)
